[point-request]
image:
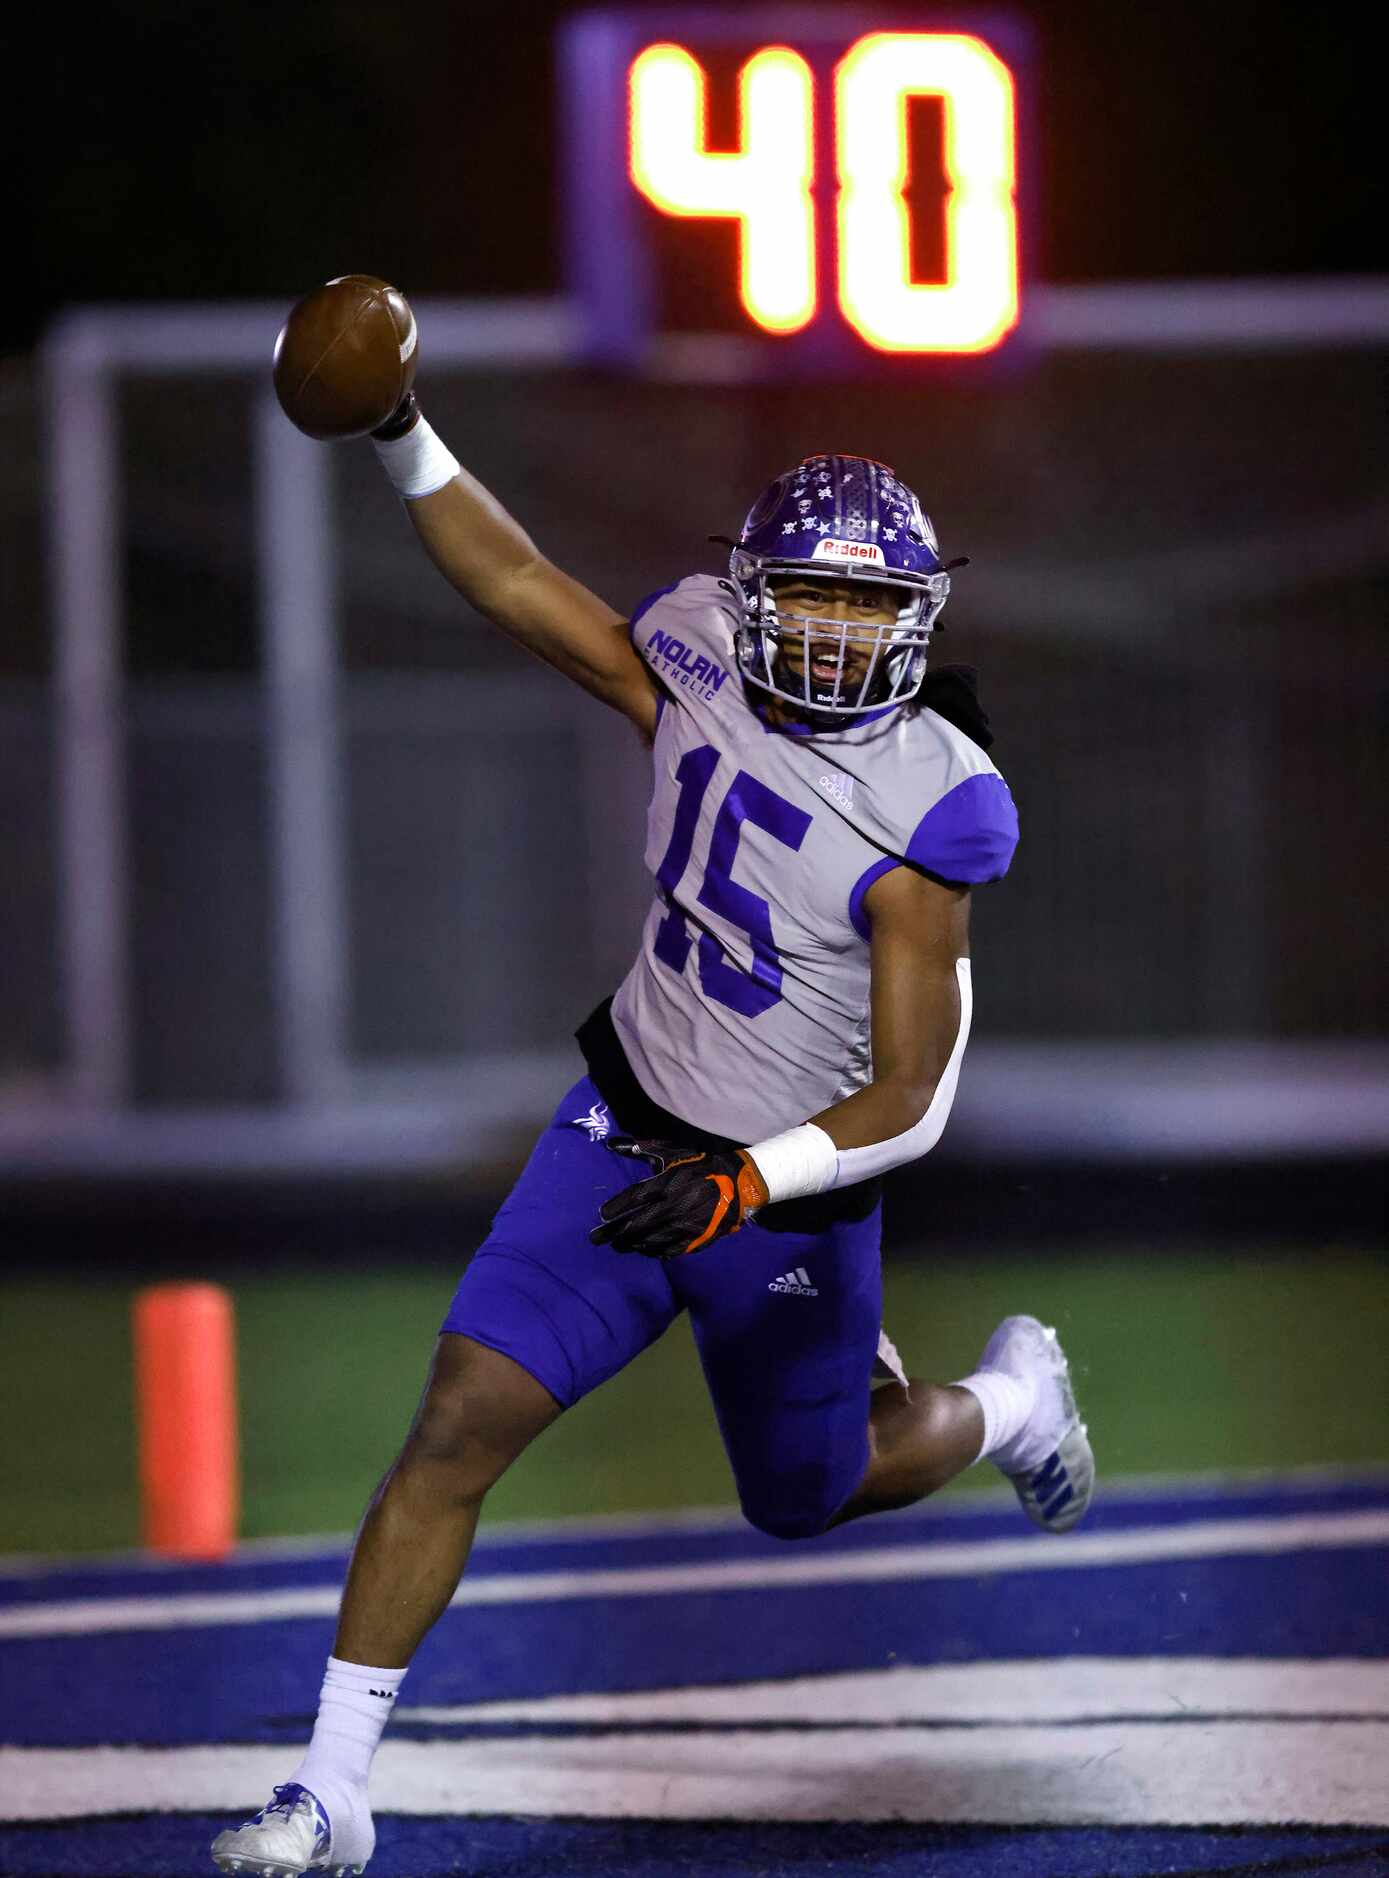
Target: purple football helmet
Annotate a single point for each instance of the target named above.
(838, 518)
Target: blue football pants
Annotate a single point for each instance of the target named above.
(786, 1323)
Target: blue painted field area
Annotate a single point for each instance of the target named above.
(168, 1847)
(1197, 1680)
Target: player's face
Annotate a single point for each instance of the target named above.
(859, 603)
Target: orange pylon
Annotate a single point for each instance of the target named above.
(185, 1396)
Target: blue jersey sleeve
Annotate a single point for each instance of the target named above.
(684, 635)
(643, 607)
(970, 834)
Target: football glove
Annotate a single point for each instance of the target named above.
(402, 419)
(692, 1197)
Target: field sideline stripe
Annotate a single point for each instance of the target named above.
(1232, 1483)
(1196, 1539)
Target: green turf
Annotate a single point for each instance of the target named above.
(1182, 1363)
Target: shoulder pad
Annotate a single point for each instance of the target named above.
(969, 835)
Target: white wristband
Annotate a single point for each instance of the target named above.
(803, 1160)
(417, 463)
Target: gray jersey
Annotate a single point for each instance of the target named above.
(747, 1009)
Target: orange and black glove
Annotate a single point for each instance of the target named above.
(402, 419)
(693, 1197)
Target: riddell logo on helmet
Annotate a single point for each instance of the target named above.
(831, 550)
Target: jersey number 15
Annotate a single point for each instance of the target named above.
(752, 992)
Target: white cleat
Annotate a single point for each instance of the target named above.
(1050, 1463)
(291, 1836)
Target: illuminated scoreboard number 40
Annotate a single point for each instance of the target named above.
(786, 213)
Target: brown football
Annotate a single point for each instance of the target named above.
(345, 357)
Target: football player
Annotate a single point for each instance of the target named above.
(791, 1030)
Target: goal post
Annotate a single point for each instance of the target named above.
(83, 359)
(296, 546)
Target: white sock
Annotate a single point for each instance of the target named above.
(1007, 1402)
(354, 1705)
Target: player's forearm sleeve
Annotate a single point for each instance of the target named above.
(418, 463)
(857, 1164)
(804, 1160)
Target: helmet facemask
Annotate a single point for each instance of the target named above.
(896, 651)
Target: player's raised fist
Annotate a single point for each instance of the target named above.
(345, 357)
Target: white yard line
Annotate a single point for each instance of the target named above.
(1029, 1690)
(1225, 1774)
(565, 1529)
(1191, 1540)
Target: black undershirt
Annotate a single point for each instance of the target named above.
(636, 1114)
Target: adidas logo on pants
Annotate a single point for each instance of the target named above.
(795, 1284)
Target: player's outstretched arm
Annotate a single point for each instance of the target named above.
(488, 557)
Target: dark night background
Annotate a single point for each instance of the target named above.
(314, 1082)
(250, 151)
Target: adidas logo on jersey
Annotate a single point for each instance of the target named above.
(795, 1284)
(841, 787)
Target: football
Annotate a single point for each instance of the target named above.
(345, 357)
